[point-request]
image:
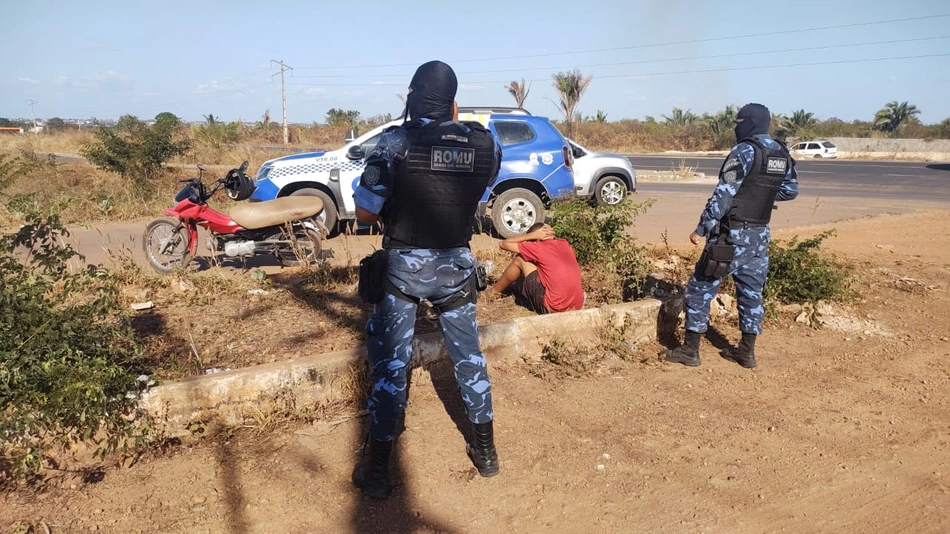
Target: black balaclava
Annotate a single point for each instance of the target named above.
(432, 92)
(755, 120)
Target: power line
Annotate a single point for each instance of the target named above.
(165, 103)
(650, 45)
(669, 73)
(663, 60)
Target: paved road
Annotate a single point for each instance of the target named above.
(830, 192)
(912, 181)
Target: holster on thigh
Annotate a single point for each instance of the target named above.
(715, 260)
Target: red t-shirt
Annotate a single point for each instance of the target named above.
(559, 273)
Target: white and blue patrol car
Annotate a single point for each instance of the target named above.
(535, 169)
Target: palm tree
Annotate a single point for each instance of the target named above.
(680, 117)
(265, 120)
(721, 125)
(799, 123)
(600, 117)
(210, 119)
(519, 91)
(893, 115)
(570, 86)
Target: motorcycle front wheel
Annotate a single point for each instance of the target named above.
(167, 246)
(305, 248)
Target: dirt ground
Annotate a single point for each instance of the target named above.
(843, 428)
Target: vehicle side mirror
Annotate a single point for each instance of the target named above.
(350, 135)
(355, 152)
(243, 166)
(578, 153)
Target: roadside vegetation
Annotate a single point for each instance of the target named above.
(800, 273)
(73, 361)
(69, 357)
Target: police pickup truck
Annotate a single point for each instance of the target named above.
(535, 169)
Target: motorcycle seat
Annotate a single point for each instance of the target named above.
(255, 215)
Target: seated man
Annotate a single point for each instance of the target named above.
(544, 275)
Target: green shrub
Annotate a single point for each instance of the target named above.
(135, 150)
(799, 273)
(68, 354)
(614, 262)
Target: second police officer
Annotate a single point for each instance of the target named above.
(757, 172)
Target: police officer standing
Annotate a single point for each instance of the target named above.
(424, 180)
(757, 172)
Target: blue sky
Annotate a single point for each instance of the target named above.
(100, 58)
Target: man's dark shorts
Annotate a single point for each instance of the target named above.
(530, 293)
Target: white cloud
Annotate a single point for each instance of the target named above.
(27, 80)
(471, 87)
(101, 80)
(312, 93)
(210, 87)
(108, 75)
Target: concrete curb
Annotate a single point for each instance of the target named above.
(299, 386)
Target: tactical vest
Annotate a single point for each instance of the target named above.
(437, 186)
(752, 205)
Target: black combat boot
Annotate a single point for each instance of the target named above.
(371, 474)
(744, 354)
(481, 449)
(687, 353)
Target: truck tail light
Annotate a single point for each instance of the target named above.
(568, 158)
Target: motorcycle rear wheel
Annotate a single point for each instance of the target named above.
(305, 249)
(167, 246)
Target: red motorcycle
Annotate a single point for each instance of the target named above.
(284, 227)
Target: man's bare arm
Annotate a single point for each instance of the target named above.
(541, 234)
(365, 216)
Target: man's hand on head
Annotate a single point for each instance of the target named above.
(544, 233)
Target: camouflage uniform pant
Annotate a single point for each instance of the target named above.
(749, 270)
(434, 275)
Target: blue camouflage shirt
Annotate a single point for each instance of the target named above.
(392, 147)
(738, 164)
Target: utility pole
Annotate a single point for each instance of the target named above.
(33, 104)
(283, 95)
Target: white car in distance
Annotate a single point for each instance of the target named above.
(603, 177)
(815, 149)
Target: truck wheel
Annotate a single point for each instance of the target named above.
(610, 190)
(515, 210)
(329, 215)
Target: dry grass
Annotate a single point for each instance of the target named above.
(682, 170)
(78, 192)
(66, 142)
